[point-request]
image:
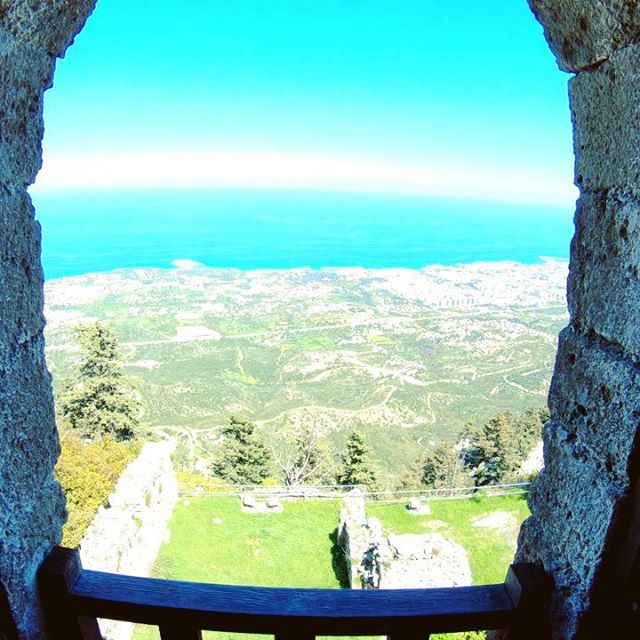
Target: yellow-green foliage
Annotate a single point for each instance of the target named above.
(88, 474)
(189, 480)
(271, 482)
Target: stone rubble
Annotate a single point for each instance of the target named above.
(397, 561)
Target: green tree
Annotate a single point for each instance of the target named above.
(494, 453)
(242, 458)
(99, 401)
(412, 476)
(529, 429)
(357, 464)
(443, 468)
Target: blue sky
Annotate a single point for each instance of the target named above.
(447, 97)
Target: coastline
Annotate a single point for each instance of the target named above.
(186, 265)
(473, 285)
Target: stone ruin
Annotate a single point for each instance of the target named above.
(126, 535)
(397, 561)
(250, 503)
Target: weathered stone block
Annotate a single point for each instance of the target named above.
(31, 503)
(604, 279)
(583, 33)
(572, 505)
(21, 277)
(50, 24)
(605, 107)
(595, 393)
(25, 72)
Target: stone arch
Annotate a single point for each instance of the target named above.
(581, 505)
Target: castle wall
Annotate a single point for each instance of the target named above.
(581, 502)
(125, 537)
(32, 34)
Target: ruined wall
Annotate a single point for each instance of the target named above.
(32, 34)
(581, 502)
(398, 561)
(125, 537)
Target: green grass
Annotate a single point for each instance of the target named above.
(378, 338)
(316, 342)
(296, 548)
(292, 548)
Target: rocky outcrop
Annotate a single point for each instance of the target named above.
(32, 33)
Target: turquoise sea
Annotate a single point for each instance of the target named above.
(100, 231)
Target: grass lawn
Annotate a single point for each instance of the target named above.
(288, 549)
(212, 540)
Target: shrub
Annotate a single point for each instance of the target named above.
(88, 473)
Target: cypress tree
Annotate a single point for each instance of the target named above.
(357, 466)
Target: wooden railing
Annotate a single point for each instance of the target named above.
(73, 597)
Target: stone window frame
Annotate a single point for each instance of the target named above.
(584, 527)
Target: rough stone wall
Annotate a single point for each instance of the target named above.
(126, 536)
(32, 34)
(397, 561)
(359, 538)
(580, 504)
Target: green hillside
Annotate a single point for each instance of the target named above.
(405, 364)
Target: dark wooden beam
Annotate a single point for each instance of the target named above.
(8, 630)
(181, 609)
(57, 578)
(530, 590)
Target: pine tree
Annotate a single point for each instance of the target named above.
(98, 401)
(494, 453)
(243, 457)
(357, 466)
(529, 429)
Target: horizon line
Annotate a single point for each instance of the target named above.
(274, 171)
